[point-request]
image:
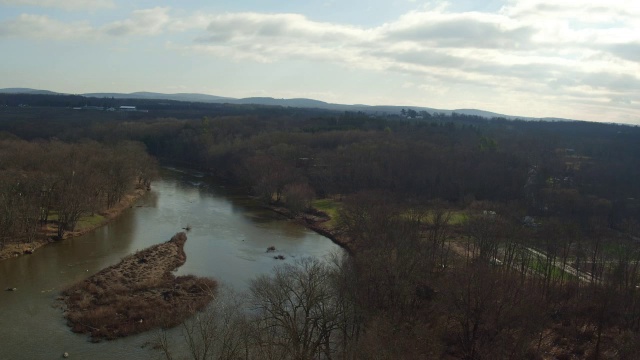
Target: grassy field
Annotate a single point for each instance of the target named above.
(85, 222)
(540, 266)
(457, 216)
(332, 208)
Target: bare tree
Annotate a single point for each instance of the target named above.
(492, 315)
(220, 332)
(486, 231)
(298, 197)
(438, 226)
(296, 310)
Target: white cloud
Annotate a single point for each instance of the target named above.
(471, 29)
(280, 28)
(43, 27)
(142, 22)
(585, 11)
(579, 21)
(568, 52)
(629, 51)
(272, 37)
(70, 5)
(147, 22)
(535, 47)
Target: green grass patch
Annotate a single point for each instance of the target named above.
(90, 221)
(85, 222)
(329, 206)
(332, 208)
(53, 216)
(540, 266)
(457, 216)
(615, 249)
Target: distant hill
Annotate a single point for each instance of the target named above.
(27, 91)
(296, 102)
(161, 96)
(555, 119)
(300, 102)
(489, 114)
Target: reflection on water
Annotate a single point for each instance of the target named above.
(228, 240)
(150, 200)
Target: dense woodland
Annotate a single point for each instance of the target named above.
(43, 182)
(472, 238)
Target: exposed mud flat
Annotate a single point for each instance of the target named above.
(138, 294)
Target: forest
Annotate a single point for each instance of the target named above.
(470, 238)
(52, 183)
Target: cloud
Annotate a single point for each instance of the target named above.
(147, 22)
(279, 28)
(428, 38)
(574, 51)
(142, 22)
(620, 83)
(578, 22)
(571, 52)
(70, 5)
(630, 51)
(43, 27)
(469, 30)
(272, 37)
(517, 53)
(582, 11)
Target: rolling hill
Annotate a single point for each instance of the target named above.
(295, 102)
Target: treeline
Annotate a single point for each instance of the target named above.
(549, 168)
(545, 264)
(561, 284)
(491, 287)
(45, 182)
(407, 294)
(157, 107)
(337, 155)
(459, 159)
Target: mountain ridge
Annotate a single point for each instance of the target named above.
(19, 90)
(270, 101)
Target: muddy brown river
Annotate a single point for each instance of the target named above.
(228, 240)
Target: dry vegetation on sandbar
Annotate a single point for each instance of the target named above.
(138, 294)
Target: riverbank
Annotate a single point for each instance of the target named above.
(315, 220)
(138, 294)
(85, 225)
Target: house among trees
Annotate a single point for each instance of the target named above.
(128, 108)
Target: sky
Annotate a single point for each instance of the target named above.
(576, 59)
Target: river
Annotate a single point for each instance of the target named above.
(228, 240)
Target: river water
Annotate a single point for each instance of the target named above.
(228, 240)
